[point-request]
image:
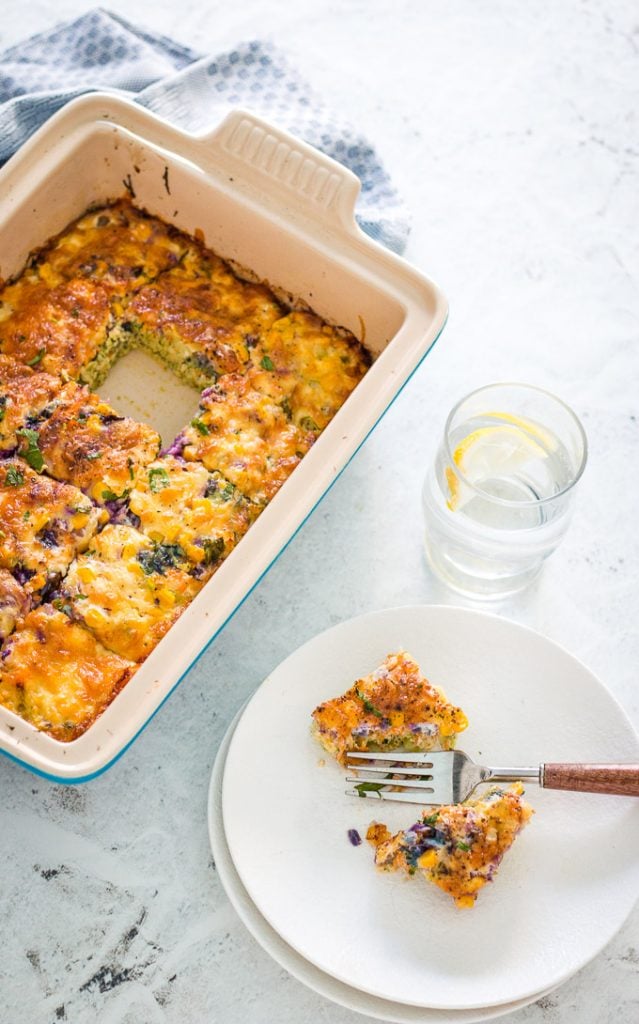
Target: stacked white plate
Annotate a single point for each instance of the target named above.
(393, 947)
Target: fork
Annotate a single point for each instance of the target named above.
(450, 776)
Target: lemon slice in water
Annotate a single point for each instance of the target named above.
(499, 450)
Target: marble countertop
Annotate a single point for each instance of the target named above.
(511, 130)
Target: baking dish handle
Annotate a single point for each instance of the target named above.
(311, 181)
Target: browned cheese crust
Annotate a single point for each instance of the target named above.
(57, 329)
(244, 435)
(57, 676)
(309, 367)
(205, 315)
(23, 395)
(43, 524)
(129, 591)
(83, 440)
(57, 313)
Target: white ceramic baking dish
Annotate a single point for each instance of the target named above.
(272, 204)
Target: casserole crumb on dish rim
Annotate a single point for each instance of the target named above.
(105, 537)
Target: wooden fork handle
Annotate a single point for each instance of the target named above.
(622, 779)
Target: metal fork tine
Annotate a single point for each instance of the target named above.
(419, 771)
(397, 755)
(404, 796)
(447, 776)
(409, 784)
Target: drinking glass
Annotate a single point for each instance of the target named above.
(500, 495)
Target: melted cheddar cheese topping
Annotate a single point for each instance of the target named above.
(43, 524)
(119, 246)
(23, 396)
(201, 318)
(129, 591)
(83, 440)
(57, 676)
(457, 847)
(57, 329)
(182, 503)
(309, 367)
(244, 435)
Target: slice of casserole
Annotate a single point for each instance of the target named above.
(176, 502)
(43, 525)
(59, 313)
(58, 329)
(309, 367)
(395, 707)
(119, 246)
(128, 591)
(83, 440)
(245, 436)
(200, 318)
(458, 847)
(23, 395)
(56, 675)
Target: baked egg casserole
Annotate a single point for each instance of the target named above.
(106, 535)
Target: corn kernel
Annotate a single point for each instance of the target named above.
(166, 598)
(94, 618)
(428, 859)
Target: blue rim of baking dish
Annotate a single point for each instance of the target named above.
(100, 771)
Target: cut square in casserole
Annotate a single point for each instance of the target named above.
(245, 436)
(57, 329)
(83, 440)
(118, 245)
(23, 396)
(395, 707)
(55, 674)
(128, 590)
(200, 319)
(176, 502)
(309, 367)
(14, 603)
(59, 312)
(43, 525)
(457, 847)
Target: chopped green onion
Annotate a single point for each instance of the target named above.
(109, 495)
(369, 787)
(369, 707)
(158, 479)
(200, 426)
(37, 358)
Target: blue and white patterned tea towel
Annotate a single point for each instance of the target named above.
(102, 51)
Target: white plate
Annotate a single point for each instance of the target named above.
(561, 893)
(285, 955)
